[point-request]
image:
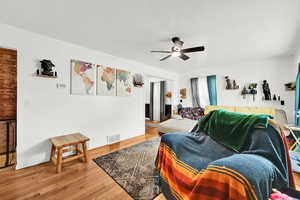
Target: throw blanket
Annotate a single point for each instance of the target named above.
(194, 166)
(230, 128)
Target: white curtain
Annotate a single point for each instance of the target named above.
(156, 101)
(203, 91)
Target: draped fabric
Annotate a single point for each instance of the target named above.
(162, 100)
(297, 98)
(151, 100)
(212, 89)
(203, 91)
(195, 166)
(195, 92)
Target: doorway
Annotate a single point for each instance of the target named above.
(8, 106)
(158, 102)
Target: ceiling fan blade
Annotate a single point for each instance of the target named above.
(193, 49)
(164, 58)
(160, 51)
(183, 57)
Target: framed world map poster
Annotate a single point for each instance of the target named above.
(124, 83)
(82, 78)
(106, 81)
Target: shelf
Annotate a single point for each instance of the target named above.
(46, 76)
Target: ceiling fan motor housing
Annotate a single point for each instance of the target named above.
(177, 42)
(176, 49)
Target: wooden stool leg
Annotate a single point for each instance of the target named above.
(77, 149)
(78, 152)
(85, 152)
(59, 160)
(52, 153)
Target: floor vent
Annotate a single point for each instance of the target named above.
(113, 138)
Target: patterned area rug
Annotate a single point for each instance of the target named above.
(133, 169)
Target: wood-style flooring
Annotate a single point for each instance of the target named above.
(76, 181)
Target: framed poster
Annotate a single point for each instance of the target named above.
(106, 81)
(124, 83)
(82, 78)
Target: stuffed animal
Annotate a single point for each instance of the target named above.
(277, 195)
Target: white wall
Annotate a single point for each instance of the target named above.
(277, 71)
(44, 111)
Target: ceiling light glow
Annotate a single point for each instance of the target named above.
(176, 54)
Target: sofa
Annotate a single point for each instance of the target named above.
(278, 114)
(188, 118)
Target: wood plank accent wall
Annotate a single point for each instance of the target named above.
(8, 84)
(8, 106)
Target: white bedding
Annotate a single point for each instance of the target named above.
(177, 125)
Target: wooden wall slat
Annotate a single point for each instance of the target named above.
(8, 84)
(8, 107)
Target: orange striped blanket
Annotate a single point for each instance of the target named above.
(211, 183)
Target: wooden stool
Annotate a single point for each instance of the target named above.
(60, 142)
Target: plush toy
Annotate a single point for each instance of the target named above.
(279, 196)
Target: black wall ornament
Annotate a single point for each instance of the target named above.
(235, 86)
(253, 90)
(47, 69)
(290, 86)
(244, 92)
(228, 83)
(266, 90)
(231, 85)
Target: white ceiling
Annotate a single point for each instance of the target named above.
(231, 30)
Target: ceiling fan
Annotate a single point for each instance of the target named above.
(177, 51)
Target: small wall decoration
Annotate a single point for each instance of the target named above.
(106, 81)
(290, 86)
(47, 69)
(82, 78)
(253, 90)
(244, 92)
(266, 90)
(169, 94)
(229, 85)
(124, 83)
(183, 93)
(138, 80)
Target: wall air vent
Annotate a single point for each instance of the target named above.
(113, 139)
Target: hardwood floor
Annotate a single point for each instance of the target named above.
(76, 181)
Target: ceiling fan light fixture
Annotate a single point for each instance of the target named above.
(176, 53)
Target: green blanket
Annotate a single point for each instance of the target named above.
(231, 128)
